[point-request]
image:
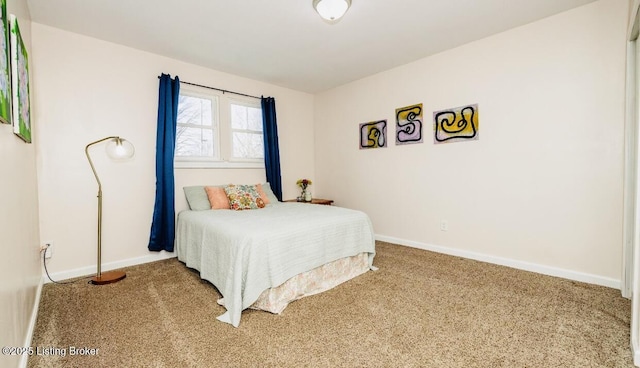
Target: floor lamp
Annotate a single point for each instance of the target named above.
(118, 149)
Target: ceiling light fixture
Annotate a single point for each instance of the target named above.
(331, 10)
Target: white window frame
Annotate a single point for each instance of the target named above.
(223, 140)
(215, 131)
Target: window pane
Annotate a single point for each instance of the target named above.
(194, 142)
(194, 110)
(246, 118)
(255, 118)
(238, 117)
(247, 145)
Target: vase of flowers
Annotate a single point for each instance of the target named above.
(303, 184)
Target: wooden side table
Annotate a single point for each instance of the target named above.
(327, 202)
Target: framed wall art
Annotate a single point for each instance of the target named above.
(373, 134)
(20, 83)
(5, 70)
(458, 124)
(409, 124)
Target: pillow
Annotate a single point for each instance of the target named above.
(262, 194)
(197, 198)
(243, 197)
(266, 188)
(217, 198)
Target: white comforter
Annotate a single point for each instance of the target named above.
(244, 253)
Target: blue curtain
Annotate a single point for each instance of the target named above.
(271, 148)
(163, 226)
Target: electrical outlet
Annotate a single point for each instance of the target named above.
(48, 252)
(444, 225)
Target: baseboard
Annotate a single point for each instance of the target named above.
(91, 270)
(635, 350)
(32, 323)
(521, 265)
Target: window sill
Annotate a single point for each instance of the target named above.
(217, 165)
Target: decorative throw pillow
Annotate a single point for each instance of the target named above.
(262, 194)
(217, 198)
(243, 197)
(197, 198)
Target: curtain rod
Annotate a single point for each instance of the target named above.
(218, 89)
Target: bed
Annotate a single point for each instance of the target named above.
(267, 257)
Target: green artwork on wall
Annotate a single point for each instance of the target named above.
(5, 76)
(20, 84)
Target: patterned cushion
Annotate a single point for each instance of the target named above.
(243, 197)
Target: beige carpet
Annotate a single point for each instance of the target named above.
(421, 309)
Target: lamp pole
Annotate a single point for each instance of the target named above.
(108, 277)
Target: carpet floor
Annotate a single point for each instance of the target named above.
(420, 309)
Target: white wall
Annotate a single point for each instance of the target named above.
(542, 185)
(19, 241)
(87, 89)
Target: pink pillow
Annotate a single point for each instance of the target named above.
(217, 198)
(264, 197)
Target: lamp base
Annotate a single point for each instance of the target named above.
(108, 278)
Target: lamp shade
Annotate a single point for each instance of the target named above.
(120, 149)
(331, 10)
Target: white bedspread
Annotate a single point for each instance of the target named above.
(244, 253)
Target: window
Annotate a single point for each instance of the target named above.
(197, 130)
(246, 130)
(215, 130)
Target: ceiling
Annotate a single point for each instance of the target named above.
(285, 42)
